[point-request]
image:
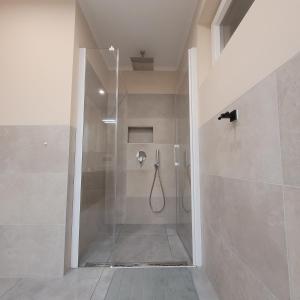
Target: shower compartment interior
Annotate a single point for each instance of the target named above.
(135, 181)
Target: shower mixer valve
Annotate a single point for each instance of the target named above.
(141, 157)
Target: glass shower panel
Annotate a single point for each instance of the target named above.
(183, 166)
(98, 189)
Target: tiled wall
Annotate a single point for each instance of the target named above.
(33, 183)
(250, 191)
(146, 110)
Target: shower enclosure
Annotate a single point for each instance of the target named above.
(183, 165)
(135, 175)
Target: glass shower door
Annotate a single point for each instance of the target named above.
(183, 166)
(97, 232)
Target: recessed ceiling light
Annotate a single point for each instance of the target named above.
(101, 92)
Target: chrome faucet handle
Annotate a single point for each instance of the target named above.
(141, 157)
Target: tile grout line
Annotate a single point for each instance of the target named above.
(94, 289)
(291, 287)
(11, 288)
(286, 239)
(241, 260)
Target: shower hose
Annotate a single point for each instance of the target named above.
(157, 174)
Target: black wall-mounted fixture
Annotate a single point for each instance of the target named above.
(232, 116)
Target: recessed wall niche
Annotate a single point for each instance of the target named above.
(140, 135)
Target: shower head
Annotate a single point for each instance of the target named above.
(142, 63)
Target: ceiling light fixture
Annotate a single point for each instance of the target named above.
(101, 92)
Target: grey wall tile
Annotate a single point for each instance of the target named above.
(165, 151)
(28, 199)
(288, 77)
(163, 129)
(23, 148)
(157, 111)
(36, 171)
(139, 212)
(253, 225)
(32, 251)
(262, 147)
(249, 148)
(6, 284)
(139, 183)
(292, 214)
(150, 106)
(231, 278)
(212, 201)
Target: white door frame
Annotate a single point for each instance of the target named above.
(195, 161)
(78, 158)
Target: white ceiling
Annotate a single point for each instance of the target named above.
(161, 27)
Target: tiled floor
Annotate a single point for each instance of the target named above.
(137, 244)
(114, 284)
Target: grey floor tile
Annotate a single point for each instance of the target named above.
(177, 249)
(114, 284)
(142, 248)
(6, 284)
(152, 283)
(137, 244)
(203, 286)
(171, 229)
(99, 251)
(142, 229)
(76, 285)
(103, 285)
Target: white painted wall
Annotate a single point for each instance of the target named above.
(36, 61)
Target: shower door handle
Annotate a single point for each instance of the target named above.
(175, 149)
